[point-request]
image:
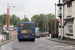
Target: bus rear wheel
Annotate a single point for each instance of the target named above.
(33, 39)
(19, 39)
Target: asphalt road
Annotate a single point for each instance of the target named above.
(39, 44)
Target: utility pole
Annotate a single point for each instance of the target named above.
(51, 25)
(24, 17)
(55, 18)
(37, 24)
(51, 28)
(62, 37)
(45, 27)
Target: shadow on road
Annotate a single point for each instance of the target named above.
(26, 40)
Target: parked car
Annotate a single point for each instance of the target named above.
(37, 35)
(42, 34)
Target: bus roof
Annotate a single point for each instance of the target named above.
(26, 22)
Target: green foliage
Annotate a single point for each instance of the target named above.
(25, 19)
(13, 19)
(52, 25)
(42, 20)
(4, 18)
(39, 20)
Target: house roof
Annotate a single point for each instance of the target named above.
(66, 1)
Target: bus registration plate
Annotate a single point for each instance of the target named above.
(25, 36)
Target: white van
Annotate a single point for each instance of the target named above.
(11, 28)
(36, 30)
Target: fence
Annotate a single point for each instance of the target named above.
(12, 36)
(54, 35)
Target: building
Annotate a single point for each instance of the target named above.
(66, 1)
(66, 14)
(69, 19)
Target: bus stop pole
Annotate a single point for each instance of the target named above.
(7, 35)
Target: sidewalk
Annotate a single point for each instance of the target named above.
(4, 41)
(62, 41)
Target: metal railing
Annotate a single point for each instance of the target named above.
(12, 36)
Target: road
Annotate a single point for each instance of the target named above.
(39, 44)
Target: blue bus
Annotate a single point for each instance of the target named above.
(26, 30)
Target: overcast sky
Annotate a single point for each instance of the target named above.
(28, 7)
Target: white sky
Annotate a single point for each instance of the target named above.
(28, 7)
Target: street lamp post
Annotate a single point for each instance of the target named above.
(51, 28)
(9, 18)
(55, 18)
(8, 21)
(9, 14)
(7, 34)
(47, 25)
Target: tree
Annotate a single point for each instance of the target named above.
(39, 20)
(42, 20)
(25, 19)
(4, 18)
(52, 25)
(50, 16)
(13, 20)
(18, 20)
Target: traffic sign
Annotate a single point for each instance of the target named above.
(60, 21)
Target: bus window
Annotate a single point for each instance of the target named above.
(26, 26)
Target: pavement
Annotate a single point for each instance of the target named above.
(62, 41)
(3, 38)
(5, 42)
